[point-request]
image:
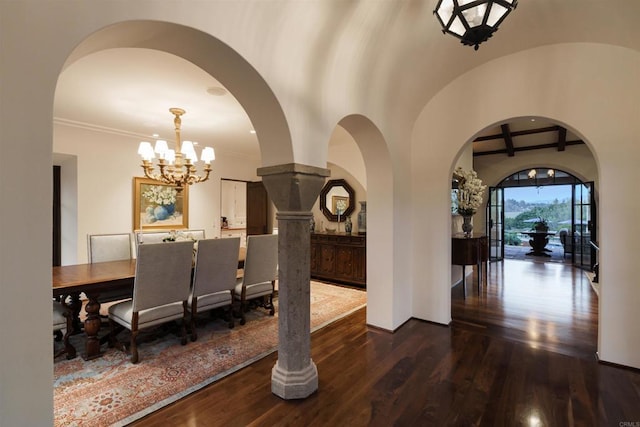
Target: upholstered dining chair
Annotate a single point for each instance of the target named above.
(260, 273)
(109, 247)
(63, 320)
(160, 291)
(214, 278)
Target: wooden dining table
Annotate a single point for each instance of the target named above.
(94, 279)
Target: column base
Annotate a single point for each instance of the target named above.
(294, 385)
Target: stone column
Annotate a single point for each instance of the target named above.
(294, 188)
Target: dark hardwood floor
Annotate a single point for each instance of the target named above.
(520, 353)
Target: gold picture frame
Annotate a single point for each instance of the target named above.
(339, 203)
(158, 206)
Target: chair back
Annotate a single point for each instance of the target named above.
(109, 247)
(261, 263)
(163, 274)
(216, 266)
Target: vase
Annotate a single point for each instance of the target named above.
(362, 218)
(348, 225)
(467, 226)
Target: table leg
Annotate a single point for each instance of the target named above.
(76, 306)
(479, 275)
(92, 326)
(464, 284)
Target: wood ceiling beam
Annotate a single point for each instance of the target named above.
(528, 148)
(518, 133)
(562, 139)
(508, 142)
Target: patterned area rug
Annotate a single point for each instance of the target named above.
(112, 391)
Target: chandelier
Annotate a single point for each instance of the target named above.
(472, 21)
(176, 167)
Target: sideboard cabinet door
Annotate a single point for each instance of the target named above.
(339, 257)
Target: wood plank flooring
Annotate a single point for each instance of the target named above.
(520, 353)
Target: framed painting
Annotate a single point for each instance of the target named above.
(339, 204)
(159, 206)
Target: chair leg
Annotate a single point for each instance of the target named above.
(134, 336)
(272, 308)
(194, 309)
(184, 323)
(134, 347)
(230, 314)
(243, 308)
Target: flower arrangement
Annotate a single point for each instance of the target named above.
(470, 190)
(179, 236)
(160, 195)
(541, 225)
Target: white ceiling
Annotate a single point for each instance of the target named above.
(130, 91)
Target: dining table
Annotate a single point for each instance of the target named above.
(538, 242)
(94, 279)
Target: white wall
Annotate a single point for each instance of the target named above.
(105, 166)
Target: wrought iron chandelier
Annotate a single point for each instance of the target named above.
(177, 166)
(472, 21)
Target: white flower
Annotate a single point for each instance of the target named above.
(160, 195)
(469, 192)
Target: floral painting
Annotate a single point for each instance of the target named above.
(159, 206)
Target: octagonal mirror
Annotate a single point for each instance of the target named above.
(337, 200)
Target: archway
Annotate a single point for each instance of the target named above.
(214, 57)
(439, 135)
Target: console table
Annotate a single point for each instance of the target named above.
(339, 257)
(472, 250)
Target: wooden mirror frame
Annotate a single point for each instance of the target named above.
(332, 183)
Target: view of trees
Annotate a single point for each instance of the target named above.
(522, 215)
(553, 213)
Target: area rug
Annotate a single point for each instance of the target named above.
(112, 391)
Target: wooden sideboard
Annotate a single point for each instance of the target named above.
(339, 257)
(469, 251)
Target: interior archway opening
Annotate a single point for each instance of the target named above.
(537, 198)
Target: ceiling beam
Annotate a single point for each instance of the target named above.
(562, 138)
(518, 133)
(508, 142)
(528, 148)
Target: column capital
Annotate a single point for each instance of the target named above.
(293, 187)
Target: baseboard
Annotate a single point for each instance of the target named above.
(594, 285)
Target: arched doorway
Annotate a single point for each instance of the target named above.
(568, 209)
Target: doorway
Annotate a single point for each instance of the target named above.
(554, 200)
(244, 209)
